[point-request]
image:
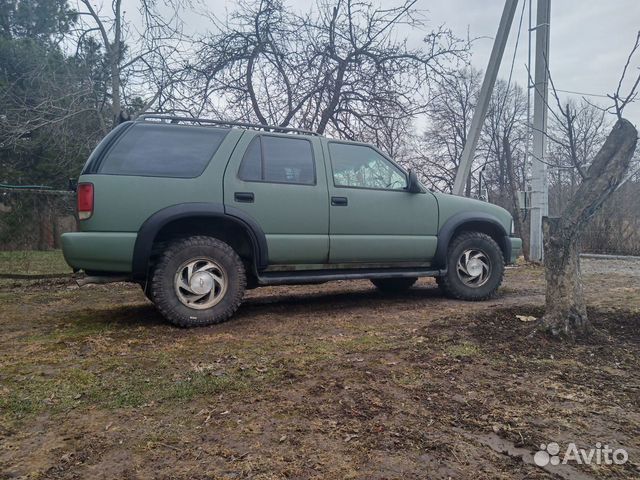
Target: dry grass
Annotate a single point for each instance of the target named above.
(30, 262)
(333, 381)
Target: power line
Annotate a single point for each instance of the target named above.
(515, 50)
(584, 94)
(572, 92)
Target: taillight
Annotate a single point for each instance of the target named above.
(85, 200)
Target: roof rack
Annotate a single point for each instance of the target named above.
(269, 128)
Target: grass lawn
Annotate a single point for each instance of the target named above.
(32, 262)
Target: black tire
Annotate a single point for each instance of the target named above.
(453, 285)
(164, 292)
(394, 285)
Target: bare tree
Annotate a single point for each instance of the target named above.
(367, 71)
(620, 100)
(566, 313)
(392, 133)
(505, 137)
(337, 68)
(139, 64)
(255, 67)
(506, 121)
(449, 115)
(577, 131)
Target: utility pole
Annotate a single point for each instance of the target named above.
(480, 113)
(539, 179)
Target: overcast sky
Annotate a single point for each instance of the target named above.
(590, 39)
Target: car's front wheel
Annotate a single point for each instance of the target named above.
(198, 281)
(475, 267)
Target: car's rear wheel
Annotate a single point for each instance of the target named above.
(394, 285)
(475, 267)
(198, 281)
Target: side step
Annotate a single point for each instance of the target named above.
(102, 279)
(320, 276)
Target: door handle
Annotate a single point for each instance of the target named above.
(244, 197)
(339, 201)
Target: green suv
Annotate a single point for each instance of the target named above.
(197, 210)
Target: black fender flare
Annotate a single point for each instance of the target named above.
(152, 225)
(458, 220)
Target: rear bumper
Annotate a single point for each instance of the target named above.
(516, 248)
(99, 251)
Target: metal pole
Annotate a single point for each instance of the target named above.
(539, 180)
(527, 145)
(480, 112)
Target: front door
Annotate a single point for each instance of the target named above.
(279, 180)
(373, 219)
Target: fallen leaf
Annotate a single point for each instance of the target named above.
(526, 318)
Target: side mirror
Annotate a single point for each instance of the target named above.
(414, 185)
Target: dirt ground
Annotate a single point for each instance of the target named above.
(334, 381)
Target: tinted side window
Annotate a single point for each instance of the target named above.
(363, 167)
(251, 166)
(278, 160)
(93, 162)
(163, 151)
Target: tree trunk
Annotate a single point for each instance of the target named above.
(566, 312)
(115, 58)
(329, 111)
(116, 106)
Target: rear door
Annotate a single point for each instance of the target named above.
(280, 181)
(374, 219)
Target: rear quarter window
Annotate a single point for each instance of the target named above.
(163, 151)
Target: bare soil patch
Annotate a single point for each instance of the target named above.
(332, 381)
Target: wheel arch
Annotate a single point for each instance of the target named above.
(470, 222)
(226, 223)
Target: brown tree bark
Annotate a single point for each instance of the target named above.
(566, 312)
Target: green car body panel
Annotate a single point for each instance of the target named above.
(295, 226)
(294, 218)
(380, 225)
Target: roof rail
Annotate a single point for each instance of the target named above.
(269, 128)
